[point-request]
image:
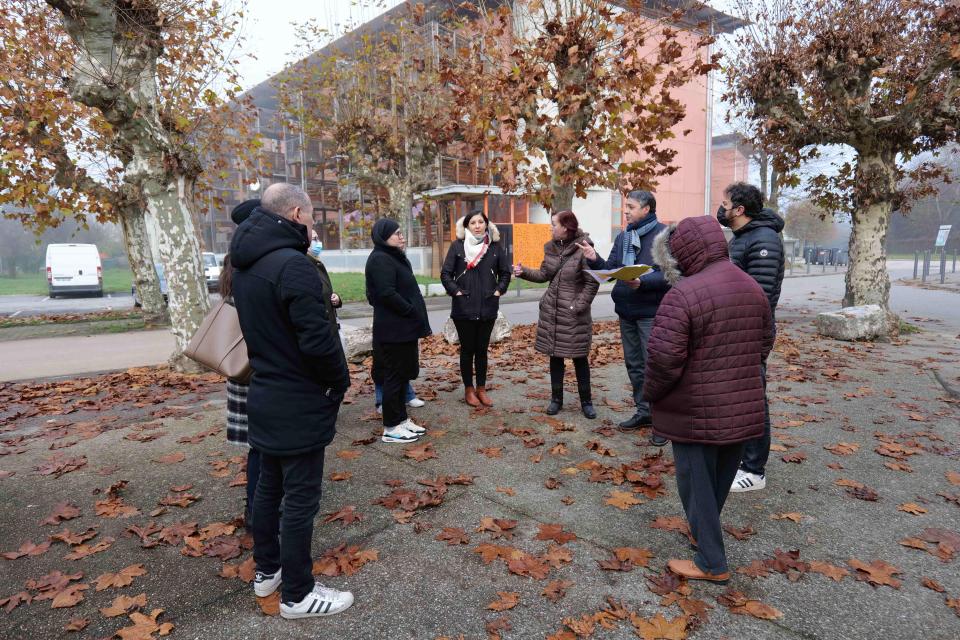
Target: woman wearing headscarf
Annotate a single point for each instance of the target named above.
(476, 272)
(399, 321)
(565, 327)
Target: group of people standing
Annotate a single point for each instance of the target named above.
(696, 331)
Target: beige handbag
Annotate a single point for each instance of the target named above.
(218, 344)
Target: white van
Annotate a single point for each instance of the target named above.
(74, 268)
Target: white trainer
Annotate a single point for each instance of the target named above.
(746, 481)
(265, 583)
(416, 403)
(399, 433)
(322, 601)
(413, 427)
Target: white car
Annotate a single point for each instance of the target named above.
(211, 271)
(74, 268)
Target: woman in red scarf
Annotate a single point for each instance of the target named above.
(476, 272)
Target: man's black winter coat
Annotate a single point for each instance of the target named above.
(299, 370)
(758, 249)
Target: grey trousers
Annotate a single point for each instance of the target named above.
(634, 335)
(704, 475)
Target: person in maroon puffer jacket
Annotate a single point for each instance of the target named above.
(711, 334)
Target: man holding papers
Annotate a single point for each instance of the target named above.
(636, 300)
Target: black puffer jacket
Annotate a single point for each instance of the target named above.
(758, 249)
(479, 284)
(300, 373)
(399, 312)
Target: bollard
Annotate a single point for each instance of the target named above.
(824, 269)
(954, 261)
(808, 266)
(916, 263)
(926, 266)
(943, 266)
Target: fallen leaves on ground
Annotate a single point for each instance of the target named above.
(659, 628)
(122, 578)
(420, 452)
(144, 626)
(738, 603)
(63, 511)
(347, 515)
(878, 573)
(344, 560)
(508, 600)
(122, 604)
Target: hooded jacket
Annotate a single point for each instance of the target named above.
(640, 303)
(299, 369)
(399, 312)
(565, 325)
(758, 249)
(479, 284)
(709, 339)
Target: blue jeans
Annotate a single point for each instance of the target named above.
(378, 393)
(634, 335)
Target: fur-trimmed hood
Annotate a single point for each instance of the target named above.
(686, 247)
(491, 229)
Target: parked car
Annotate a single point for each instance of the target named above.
(211, 271)
(74, 268)
(163, 286)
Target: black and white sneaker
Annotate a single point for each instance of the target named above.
(322, 601)
(746, 481)
(265, 583)
(413, 427)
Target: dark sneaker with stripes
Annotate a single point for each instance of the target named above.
(322, 601)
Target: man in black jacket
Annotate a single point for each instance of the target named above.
(758, 250)
(636, 302)
(300, 376)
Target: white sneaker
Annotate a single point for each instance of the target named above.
(265, 583)
(322, 601)
(412, 427)
(746, 481)
(399, 433)
(416, 403)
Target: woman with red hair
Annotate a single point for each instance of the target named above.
(565, 327)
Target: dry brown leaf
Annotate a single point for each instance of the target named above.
(833, 572)
(877, 573)
(622, 500)
(420, 452)
(453, 536)
(556, 589)
(339, 476)
(144, 626)
(792, 515)
(77, 624)
(172, 458)
(122, 604)
(270, 605)
(70, 596)
(912, 508)
(63, 511)
(122, 578)
(508, 600)
(556, 533)
(659, 628)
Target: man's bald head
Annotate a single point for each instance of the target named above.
(285, 199)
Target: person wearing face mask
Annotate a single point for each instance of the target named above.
(399, 321)
(316, 247)
(565, 326)
(636, 302)
(299, 379)
(476, 272)
(757, 249)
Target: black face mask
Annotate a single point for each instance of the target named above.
(722, 216)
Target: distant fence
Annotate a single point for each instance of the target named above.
(925, 261)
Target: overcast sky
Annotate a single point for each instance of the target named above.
(269, 27)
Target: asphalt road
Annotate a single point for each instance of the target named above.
(936, 311)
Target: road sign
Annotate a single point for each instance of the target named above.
(942, 235)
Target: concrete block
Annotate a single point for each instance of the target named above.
(423, 289)
(357, 342)
(501, 330)
(853, 323)
(436, 290)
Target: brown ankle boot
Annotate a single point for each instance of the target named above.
(483, 397)
(470, 397)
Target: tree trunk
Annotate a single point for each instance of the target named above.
(867, 280)
(189, 301)
(141, 260)
(401, 204)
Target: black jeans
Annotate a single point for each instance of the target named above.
(756, 452)
(634, 334)
(704, 475)
(474, 342)
(253, 476)
(295, 481)
(398, 363)
(581, 366)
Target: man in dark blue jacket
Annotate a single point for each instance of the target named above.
(758, 250)
(635, 302)
(299, 378)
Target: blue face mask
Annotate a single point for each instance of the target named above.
(316, 247)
